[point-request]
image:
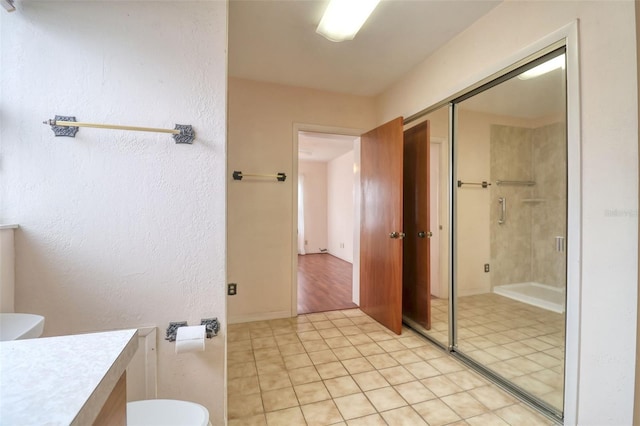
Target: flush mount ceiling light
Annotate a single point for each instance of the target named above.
(543, 68)
(343, 18)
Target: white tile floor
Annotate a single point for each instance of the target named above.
(523, 343)
(343, 368)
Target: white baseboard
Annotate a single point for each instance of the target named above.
(238, 319)
(472, 292)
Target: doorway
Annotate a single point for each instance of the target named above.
(326, 220)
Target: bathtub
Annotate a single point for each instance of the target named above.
(536, 294)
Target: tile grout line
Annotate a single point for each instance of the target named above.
(293, 326)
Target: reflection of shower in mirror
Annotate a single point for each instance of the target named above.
(541, 295)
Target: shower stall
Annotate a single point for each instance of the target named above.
(528, 213)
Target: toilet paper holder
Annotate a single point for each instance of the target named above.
(212, 327)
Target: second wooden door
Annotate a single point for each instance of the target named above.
(416, 286)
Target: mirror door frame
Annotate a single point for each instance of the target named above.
(566, 36)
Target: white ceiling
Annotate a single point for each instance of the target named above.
(323, 147)
(275, 41)
(535, 98)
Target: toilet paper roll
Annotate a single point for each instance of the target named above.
(190, 339)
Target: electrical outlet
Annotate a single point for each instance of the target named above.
(486, 267)
(306, 242)
(232, 289)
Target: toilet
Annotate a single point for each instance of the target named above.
(166, 412)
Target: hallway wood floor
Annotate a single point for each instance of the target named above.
(324, 283)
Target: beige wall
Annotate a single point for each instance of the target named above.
(473, 165)
(636, 417)
(609, 167)
(315, 205)
(340, 181)
(473, 219)
(475, 208)
(259, 244)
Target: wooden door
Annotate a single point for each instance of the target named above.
(416, 304)
(381, 216)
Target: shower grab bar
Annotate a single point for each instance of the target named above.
(484, 184)
(515, 182)
(503, 210)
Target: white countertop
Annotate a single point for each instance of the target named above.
(9, 226)
(61, 380)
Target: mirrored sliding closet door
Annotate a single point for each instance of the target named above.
(510, 228)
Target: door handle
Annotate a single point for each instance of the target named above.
(423, 234)
(397, 235)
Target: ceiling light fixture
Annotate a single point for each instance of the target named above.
(343, 18)
(543, 68)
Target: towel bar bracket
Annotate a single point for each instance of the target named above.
(68, 131)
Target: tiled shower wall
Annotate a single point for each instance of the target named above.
(523, 249)
(549, 217)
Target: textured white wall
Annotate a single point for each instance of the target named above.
(340, 207)
(315, 204)
(608, 73)
(120, 229)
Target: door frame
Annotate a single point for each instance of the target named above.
(566, 35)
(316, 128)
(443, 225)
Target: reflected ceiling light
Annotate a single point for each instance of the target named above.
(543, 68)
(343, 18)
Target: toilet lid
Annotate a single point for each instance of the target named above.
(166, 412)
